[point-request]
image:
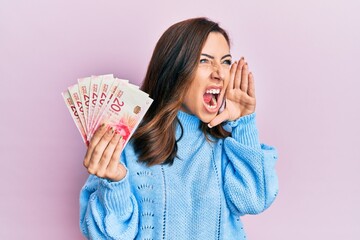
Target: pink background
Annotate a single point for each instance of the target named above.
(305, 58)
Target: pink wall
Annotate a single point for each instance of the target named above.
(304, 55)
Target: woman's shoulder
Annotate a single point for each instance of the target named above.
(130, 158)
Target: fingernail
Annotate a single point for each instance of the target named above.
(242, 58)
(209, 126)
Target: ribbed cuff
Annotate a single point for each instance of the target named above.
(244, 130)
(116, 196)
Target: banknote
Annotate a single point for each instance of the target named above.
(74, 114)
(125, 110)
(105, 99)
(84, 90)
(75, 96)
(104, 88)
(95, 82)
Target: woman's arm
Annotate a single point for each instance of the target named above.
(108, 210)
(250, 180)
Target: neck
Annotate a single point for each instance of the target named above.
(189, 121)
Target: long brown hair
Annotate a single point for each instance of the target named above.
(169, 75)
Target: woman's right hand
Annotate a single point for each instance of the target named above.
(102, 156)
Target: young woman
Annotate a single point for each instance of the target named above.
(195, 164)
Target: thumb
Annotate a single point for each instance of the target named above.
(223, 116)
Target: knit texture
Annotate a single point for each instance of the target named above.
(201, 196)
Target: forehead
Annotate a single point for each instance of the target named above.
(216, 44)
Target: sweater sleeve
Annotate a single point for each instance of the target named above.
(108, 210)
(250, 180)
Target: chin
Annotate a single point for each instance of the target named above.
(206, 117)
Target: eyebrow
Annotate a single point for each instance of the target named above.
(212, 57)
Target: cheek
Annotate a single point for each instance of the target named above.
(197, 85)
(226, 80)
(203, 72)
(193, 93)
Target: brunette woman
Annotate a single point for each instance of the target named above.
(195, 163)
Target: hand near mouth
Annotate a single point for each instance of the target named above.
(240, 94)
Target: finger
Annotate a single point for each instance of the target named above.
(232, 75)
(237, 79)
(223, 116)
(251, 88)
(99, 150)
(115, 168)
(116, 154)
(107, 154)
(244, 78)
(93, 142)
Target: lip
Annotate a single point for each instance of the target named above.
(213, 87)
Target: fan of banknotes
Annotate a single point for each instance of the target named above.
(106, 99)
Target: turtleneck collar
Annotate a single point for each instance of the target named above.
(188, 121)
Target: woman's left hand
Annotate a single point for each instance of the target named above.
(240, 94)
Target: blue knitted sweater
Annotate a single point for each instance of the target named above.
(201, 196)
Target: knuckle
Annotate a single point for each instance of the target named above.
(92, 169)
(105, 155)
(96, 151)
(108, 136)
(105, 137)
(85, 163)
(91, 146)
(92, 143)
(101, 173)
(115, 139)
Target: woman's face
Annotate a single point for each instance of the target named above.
(206, 92)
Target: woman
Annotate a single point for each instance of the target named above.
(195, 164)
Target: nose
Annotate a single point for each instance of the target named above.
(217, 72)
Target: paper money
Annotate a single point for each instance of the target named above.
(74, 114)
(75, 96)
(84, 90)
(105, 99)
(104, 88)
(95, 83)
(125, 110)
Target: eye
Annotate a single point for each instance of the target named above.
(204, 60)
(227, 62)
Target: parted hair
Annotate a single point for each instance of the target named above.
(170, 72)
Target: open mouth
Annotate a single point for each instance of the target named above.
(211, 97)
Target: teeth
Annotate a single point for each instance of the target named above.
(213, 91)
(214, 106)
